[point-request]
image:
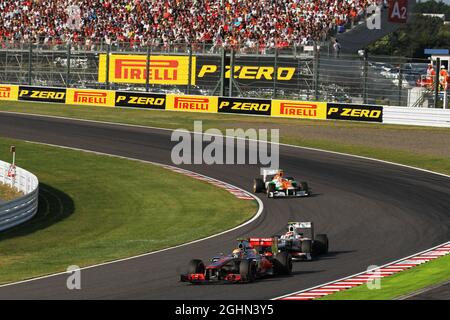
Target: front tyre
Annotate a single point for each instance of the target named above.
(196, 266)
(270, 190)
(247, 270)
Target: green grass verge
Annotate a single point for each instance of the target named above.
(185, 120)
(174, 120)
(7, 193)
(97, 208)
(431, 273)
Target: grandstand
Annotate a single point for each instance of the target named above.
(244, 23)
(48, 43)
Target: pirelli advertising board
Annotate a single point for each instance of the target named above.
(354, 112)
(299, 109)
(9, 92)
(257, 72)
(140, 100)
(244, 106)
(42, 94)
(165, 70)
(191, 103)
(87, 97)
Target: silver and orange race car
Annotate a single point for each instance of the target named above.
(254, 258)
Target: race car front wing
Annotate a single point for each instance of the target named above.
(288, 193)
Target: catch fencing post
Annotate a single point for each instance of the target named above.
(365, 67)
(68, 65)
(147, 70)
(400, 84)
(30, 56)
(108, 53)
(189, 69)
(231, 73)
(316, 72)
(436, 82)
(275, 73)
(222, 72)
(6, 62)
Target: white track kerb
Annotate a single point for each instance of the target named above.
(445, 245)
(370, 275)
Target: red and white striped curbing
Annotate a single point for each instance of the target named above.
(238, 193)
(368, 276)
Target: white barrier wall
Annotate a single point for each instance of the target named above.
(417, 116)
(24, 208)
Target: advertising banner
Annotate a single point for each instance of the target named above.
(299, 109)
(355, 112)
(245, 106)
(249, 71)
(9, 92)
(165, 70)
(191, 103)
(90, 97)
(42, 94)
(140, 100)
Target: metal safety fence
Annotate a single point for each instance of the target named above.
(309, 72)
(22, 209)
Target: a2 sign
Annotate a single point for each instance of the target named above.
(398, 11)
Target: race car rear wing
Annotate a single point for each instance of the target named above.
(303, 225)
(265, 244)
(269, 172)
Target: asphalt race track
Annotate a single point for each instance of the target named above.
(373, 213)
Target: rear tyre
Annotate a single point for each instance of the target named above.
(306, 246)
(270, 190)
(322, 243)
(304, 186)
(258, 185)
(283, 263)
(247, 270)
(196, 266)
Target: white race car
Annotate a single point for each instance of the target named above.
(301, 242)
(276, 185)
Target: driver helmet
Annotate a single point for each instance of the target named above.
(280, 173)
(236, 253)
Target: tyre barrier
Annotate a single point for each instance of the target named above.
(17, 211)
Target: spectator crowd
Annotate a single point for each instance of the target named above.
(248, 24)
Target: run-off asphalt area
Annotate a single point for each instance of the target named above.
(373, 213)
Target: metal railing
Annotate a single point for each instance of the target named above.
(417, 116)
(318, 73)
(17, 211)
